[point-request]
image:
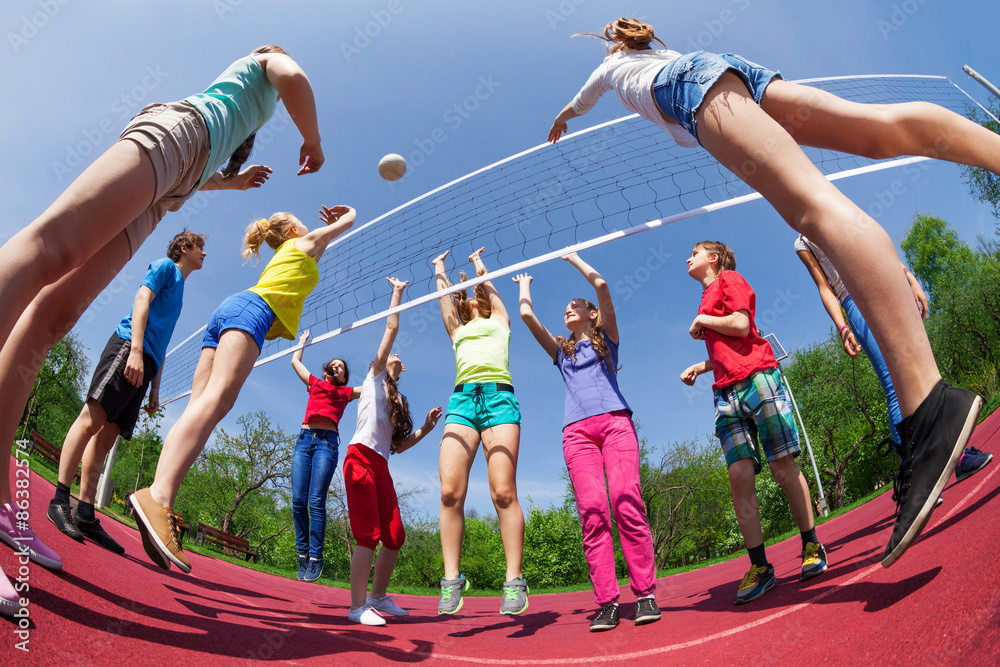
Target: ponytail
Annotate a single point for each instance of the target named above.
(274, 231)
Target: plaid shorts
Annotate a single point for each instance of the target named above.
(754, 415)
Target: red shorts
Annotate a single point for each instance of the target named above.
(371, 499)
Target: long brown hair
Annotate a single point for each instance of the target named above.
(460, 299)
(596, 335)
(625, 33)
(274, 231)
(399, 414)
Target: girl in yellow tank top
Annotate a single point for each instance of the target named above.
(232, 344)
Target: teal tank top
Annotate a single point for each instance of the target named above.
(236, 105)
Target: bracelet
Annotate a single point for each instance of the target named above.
(841, 330)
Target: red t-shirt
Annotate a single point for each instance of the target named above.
(734, 358)
(326, 400)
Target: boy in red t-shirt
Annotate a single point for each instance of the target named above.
(750, 405)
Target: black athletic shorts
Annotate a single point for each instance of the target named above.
(120, 399)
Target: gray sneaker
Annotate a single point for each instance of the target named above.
(451, 594)
(515, 597)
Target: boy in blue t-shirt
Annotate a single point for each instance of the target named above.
(753, 419)
(131, 361)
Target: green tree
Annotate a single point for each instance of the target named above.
(934, 252)
(553, 544)
(56, 398)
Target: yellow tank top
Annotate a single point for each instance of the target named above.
(285, 283)
(481, 352)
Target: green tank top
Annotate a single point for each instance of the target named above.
(285, 283)
(481, 352)
(236, 105)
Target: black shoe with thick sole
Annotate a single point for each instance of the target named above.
(606, 619)
(93, 531)
(646, 611)
(934, 437)
(62, 518)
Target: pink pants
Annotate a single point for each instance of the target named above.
(608, 444)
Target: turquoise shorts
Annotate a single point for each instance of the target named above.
(754, 417)
(483, 405)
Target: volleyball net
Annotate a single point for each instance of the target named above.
(612, 180)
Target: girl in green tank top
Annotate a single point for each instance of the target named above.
(482, 409)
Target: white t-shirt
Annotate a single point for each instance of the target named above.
(832, 277)
(374, 424)
(631, 74)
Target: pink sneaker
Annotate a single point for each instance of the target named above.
(9, 604)
(19, 535)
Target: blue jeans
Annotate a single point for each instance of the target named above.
(867, 342)
(313, 463)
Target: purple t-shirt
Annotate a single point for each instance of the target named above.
(591, 387)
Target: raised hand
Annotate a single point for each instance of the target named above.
(476, 254)
(310, 158)
(396, 283)
(331, 214)
(522, 279)
(253, 176)
(440, 258)
(304, 337)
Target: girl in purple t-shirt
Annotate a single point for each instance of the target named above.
(599, 439)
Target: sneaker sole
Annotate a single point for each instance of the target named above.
(925, 512)
(515, 613)
(645, 620)
(9, 607)
(973, 472)
(602, 628)
(72, 536)
(816, 573)
(767, 587)
(151, 543)
(32, 554)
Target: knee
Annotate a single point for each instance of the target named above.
(452, 497)
(504, 496)
(395, 539)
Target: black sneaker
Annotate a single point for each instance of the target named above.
(933, 440)
(93, 530)
(62, 518)
(606, 619)
(646, 611)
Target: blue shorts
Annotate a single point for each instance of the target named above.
(753, 417)
(681, 86)
(483, 405)
(245, 311)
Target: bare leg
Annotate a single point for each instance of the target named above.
(745, 502)
(756, 148)
(458, 451)
(500, 444)
(92, 212)
(46, 320)
(817, 118)
(83, 432)
(361, 566)
(231, 364)
(788, 476)
(385, 563)
(93, 459)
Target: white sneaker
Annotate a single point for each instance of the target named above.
(365, 616)
(387, 605)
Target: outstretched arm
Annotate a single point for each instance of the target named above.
(418, 435)
(391, 327)
(297, 365)
(448, 315)
(559, 126)
(830, 302)
(294, 88)
(498, 310)
(537, 329)
(607, 307)
(253, 176)
(338, 220)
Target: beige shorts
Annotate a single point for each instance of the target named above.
(176, 140)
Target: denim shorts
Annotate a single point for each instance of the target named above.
(482, 405)
(245, 311)
(681, 86)
(753, 417)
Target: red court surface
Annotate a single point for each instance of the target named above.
(939, 605)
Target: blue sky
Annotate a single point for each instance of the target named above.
(387, 77)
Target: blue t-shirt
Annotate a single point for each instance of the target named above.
(591, 387)
(167, 283)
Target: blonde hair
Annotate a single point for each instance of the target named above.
(727, 260)
(274, 231)
(596, 335)
(623, 33)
